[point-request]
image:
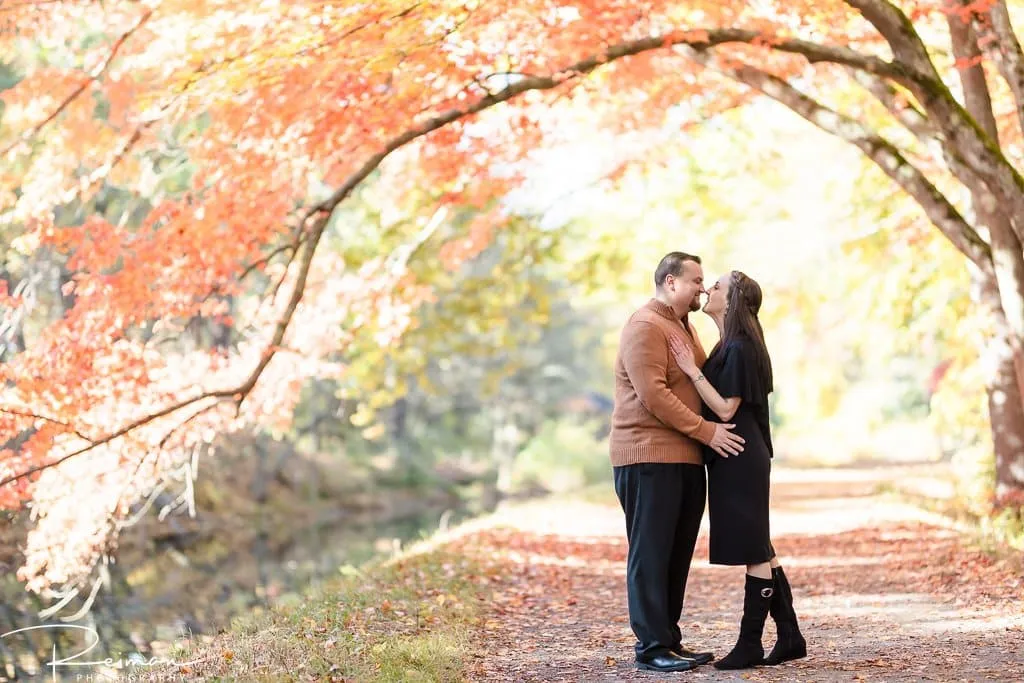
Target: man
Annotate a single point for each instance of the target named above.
(656, 437)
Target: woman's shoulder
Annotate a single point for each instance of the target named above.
(741, 350)
(738, 344)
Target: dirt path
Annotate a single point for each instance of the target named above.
(885, 592)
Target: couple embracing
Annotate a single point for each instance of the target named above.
(679, 413)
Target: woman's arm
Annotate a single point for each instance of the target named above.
(724, 408)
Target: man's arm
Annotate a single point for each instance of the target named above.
(645, 356)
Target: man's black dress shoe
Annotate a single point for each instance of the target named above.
(669, 661)
(699, 657)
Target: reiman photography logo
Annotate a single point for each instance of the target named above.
(133, 668)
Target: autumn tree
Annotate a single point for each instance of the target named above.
(278, 112)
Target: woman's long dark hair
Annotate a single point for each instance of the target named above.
(741, 321)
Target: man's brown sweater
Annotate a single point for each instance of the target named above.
(657, 409)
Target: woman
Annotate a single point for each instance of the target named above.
(734, 385)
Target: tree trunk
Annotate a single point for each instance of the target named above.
(1005, 405)
(1005, 361)
(400, 439)
(220, 332)
(504, 446)
(1007, 255)
(67, 299)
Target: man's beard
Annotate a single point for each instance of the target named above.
(695, 305)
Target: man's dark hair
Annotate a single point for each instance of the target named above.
(672, 264)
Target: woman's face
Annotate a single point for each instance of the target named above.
(718, 296)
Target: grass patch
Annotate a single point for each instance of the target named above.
(410, 619)
(999, 534)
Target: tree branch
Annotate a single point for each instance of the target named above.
(131, 426)
(100, 174)
(813, 52)
(999, 41)
(963, 136)
(77, 92)
(897, 29)
(977, 99)
(912, 118)
(885, 155)
(291, 246)
(35, 416)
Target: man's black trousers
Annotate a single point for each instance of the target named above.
(664, 504)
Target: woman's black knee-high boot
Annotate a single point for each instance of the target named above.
(757, 600)
(791, 643)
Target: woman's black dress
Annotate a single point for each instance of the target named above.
(738, 486)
